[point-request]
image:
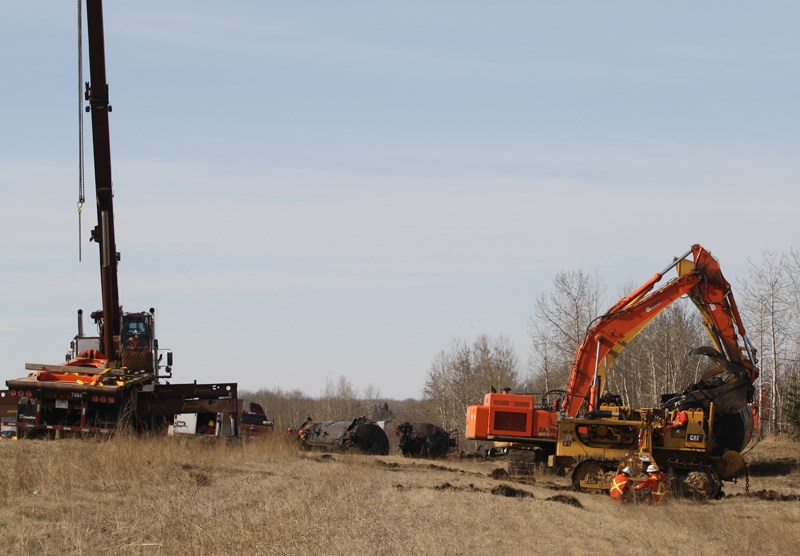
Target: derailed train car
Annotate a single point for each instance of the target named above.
(357, 435)
(424, 440)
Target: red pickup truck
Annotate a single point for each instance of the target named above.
(254, 420)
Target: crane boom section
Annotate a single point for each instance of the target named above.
(103, 233)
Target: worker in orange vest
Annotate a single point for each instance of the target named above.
(656, 482)
(620, 490)
(681, 417)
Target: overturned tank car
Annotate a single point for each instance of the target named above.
(358, 435)
(424, 440)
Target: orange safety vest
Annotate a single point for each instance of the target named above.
(681, 419)
(657, 483)
(619, 486)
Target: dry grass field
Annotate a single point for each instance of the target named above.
(191, 496)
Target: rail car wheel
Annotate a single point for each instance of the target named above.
(589, 476)
(702, 485)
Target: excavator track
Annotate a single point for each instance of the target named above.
(693, 480)
(522, 462)
(702, 484)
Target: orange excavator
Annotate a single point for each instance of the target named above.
(592, 433)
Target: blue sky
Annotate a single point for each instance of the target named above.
(310, 190)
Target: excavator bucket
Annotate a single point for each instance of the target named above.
(685, 266)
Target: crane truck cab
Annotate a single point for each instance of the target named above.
(136, 346)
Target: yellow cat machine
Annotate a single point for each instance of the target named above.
(596, 434)
(111, 380)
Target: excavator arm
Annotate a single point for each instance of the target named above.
(701, 279)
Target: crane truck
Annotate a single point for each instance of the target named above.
(117, 378)
(595, 435)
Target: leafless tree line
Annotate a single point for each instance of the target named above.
(771, 311)
(558, 324)
(339, 400)
(462, 375)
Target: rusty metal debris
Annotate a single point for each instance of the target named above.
(359, 435)
(424, 440)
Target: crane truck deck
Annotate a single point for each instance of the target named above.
(117, 378)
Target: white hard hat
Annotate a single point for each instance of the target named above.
(626, 470)
(652, 469)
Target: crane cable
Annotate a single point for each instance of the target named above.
(81, 191)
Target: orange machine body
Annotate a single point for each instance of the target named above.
(511, 416)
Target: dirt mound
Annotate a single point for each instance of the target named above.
(505, 490)
(564, 499)
(387, 464)
(773, 467)
(500, 474)
(772, 495)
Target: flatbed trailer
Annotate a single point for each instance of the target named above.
(36, 408)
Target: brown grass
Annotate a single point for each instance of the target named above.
(189, 496)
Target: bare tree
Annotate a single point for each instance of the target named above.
(793, 364)
(558, 325)
(767, 298)
(286, 408)
(544, 370)
(462, 375)
(793, 273)
(376, 408)
(339, 400)
(657, 361)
